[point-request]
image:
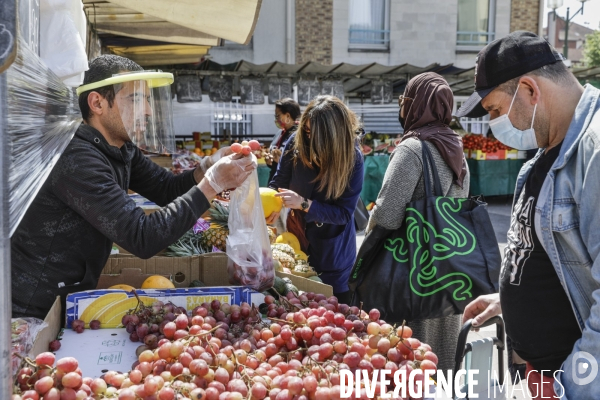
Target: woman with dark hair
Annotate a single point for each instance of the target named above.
(425, 113)
(287, 113)
(320, 178)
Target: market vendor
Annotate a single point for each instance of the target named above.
(66, 236)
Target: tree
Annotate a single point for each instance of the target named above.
(591, 51)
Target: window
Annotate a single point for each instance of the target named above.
(230, 120)
(369, 24)
(476, 22)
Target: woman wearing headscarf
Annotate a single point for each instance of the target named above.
(425, 113)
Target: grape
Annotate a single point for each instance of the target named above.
(374, 315)
(68, 394)
(67, 364)
(95, 324)
(166, 393)
(30, 394)
(254, 145)
(258, 391)
(340, 347)
(383, 346)
(78, 325)
(53, 394)
(45, 358)
(98, 386)
(54, 345)
(404, 332)
(44, 384)
(238, 386)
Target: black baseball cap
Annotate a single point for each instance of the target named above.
(504, 59)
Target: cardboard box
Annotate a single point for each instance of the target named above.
(183, 269)
(497, 155)
(105, 350)
(128, 276)
(51, 331)
(211, 269)
(512, 154)
(109, 305)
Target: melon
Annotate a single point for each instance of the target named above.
(381, 147)
(366, 150)
(289, 239)
(270, 203)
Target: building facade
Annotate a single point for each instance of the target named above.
(388, 32)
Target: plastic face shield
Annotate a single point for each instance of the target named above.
(143, 101)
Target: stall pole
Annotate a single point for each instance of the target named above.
(8, 36)
(5, 287)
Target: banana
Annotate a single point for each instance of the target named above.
(99, 305)
(111, 317)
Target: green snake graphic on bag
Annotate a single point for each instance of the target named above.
(443, 256)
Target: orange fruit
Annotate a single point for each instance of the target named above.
(157, 282)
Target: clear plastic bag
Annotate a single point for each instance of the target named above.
(250, 259)
(24, 331)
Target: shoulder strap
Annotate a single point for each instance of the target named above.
(429, 162)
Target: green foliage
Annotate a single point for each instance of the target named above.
(592, 49)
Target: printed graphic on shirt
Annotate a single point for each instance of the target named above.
(520, 240)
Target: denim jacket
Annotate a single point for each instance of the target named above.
(568, 217)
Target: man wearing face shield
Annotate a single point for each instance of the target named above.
(550, 279)
(66, 236)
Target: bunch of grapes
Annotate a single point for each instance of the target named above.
(43, 379)
(145, 323)
(227, 352)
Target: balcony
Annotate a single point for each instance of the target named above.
(369, 39)
(479, 39)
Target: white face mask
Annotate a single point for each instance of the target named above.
(505, 131)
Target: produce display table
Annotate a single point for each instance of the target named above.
(494, 177)
(488, 177)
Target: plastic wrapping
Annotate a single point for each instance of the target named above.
(43, 116)
(248, 247)
(23, 331)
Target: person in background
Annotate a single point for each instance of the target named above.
(287, 112)
(425, 113)
(66, 235)
(320, 178)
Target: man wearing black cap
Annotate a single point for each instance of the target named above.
(551, 265)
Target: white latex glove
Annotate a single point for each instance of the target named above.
(230, 171)
(209, 161)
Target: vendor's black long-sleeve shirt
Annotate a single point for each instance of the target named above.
(65, 238)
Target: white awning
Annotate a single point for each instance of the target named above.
(194, 22)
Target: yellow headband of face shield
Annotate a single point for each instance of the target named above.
(154, 79)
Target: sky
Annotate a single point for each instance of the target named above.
(590, 17)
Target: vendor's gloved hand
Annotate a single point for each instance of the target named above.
(230, 171)
(209, 161)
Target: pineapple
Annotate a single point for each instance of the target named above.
(284, 259)
(303, 269)
(285, 248)
(272, 234)
(217, 234)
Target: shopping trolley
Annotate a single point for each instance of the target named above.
(478, 355)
